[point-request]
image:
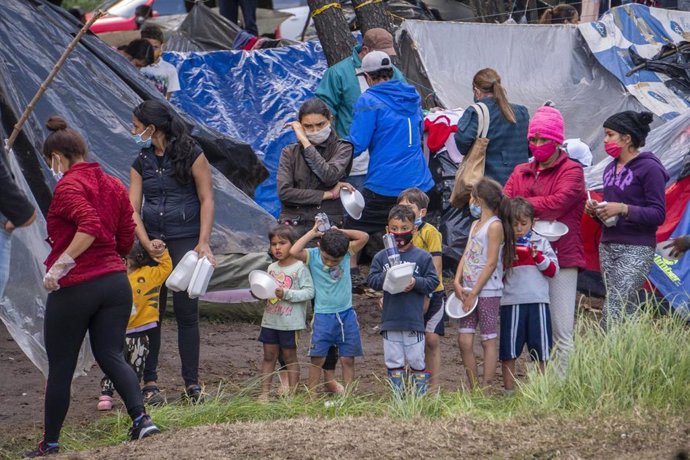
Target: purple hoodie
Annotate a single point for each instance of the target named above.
(641, 184)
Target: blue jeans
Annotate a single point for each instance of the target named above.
(5, 252)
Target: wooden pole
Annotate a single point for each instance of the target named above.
(331, 27)
(49, 79)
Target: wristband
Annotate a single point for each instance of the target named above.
(333, 196)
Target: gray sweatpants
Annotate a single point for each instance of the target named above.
(562, 298)
(624, 268)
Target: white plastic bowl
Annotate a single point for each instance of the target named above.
(454, 306)
(262, 284)
(398, 277)
(552, 230)
(353, 202)
(665, 253)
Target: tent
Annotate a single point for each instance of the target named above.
(541, 63)
(95, 92)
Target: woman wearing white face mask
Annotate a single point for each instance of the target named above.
(311, 171)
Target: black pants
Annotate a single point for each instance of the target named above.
(187, 316)
(102, 307)
(228, 9)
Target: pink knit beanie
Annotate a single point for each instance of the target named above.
(547, 123)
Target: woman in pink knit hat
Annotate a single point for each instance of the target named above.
(555, 186)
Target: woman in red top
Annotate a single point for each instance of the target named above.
(555, 186)
(90, 229)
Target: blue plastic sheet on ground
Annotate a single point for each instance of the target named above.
(645, 30)
(251, 96)
(672, 277)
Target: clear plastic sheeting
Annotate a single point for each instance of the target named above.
(22, 308)
(95, 91)
(670, 142)
(536, 63)
(251, 96)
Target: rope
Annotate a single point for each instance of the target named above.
(368, 2)
(320, 10)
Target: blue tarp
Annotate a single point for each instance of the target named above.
(251, 96)
(672, 277)
(645, 30)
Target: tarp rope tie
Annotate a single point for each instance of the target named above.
(325, 7)
(368, 2)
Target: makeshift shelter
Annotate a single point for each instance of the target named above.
(95, 92)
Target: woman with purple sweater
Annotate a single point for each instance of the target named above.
(633, 208)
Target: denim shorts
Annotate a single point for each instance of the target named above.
(336, 329)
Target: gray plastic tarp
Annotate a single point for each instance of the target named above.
(536, 63)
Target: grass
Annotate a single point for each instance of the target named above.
(86, 5)
(642, 366)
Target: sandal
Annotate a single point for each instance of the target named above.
(153, 396)
(193, 394)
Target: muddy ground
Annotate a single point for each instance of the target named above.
(232, 355)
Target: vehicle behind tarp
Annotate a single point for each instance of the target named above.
(644, 31)
(251, 96)
(536, 63)
(95, 92)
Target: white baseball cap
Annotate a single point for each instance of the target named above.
(578, 151)
(375, 60)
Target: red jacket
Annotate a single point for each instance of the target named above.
(557, 193)
(88, 200)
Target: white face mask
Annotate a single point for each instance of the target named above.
(56, 175)
(320, 136)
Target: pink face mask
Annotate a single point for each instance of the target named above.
(613, 149)
(542, 152)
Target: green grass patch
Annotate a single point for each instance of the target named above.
(642, 366)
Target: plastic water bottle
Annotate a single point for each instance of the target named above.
(391, 249)
(322, 221)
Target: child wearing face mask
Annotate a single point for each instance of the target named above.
(402, 321)
(479, 277)
(428, 238)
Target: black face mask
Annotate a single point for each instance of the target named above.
(403, 239)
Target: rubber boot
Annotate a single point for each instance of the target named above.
(420, 380)
(397, 379)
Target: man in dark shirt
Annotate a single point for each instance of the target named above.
(15, 211)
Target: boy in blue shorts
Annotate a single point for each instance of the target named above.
(525, 317)
(428, 238)
(335, 321)
(402, 321)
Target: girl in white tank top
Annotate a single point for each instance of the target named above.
(479, 277)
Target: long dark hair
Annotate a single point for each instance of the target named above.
(491, 192)
(182, 145)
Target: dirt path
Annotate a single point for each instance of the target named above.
(363, 438)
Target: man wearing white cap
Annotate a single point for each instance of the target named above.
(388, 123)
(341, 86)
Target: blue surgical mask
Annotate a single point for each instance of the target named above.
(56, 175)
(418, 221)
(142, 143)
(475, 210)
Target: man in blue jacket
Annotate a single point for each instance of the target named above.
(341, 86)
(388, 123)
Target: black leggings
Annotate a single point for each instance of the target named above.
(102, 307)
(187, 316)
